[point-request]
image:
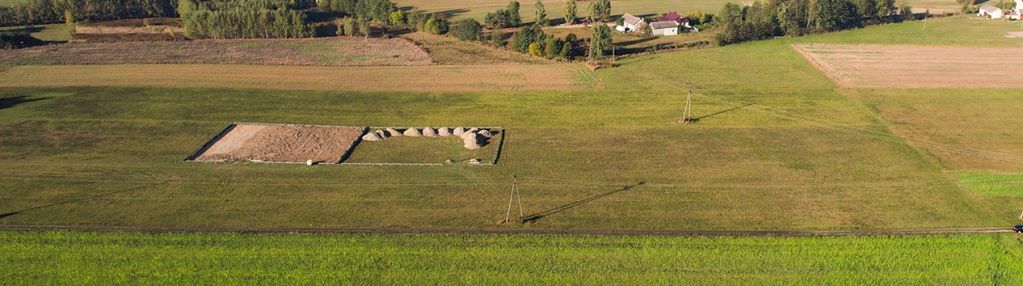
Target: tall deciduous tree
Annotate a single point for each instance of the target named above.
(570, 11)
(541, 13)
(600, 42)
(513, 13)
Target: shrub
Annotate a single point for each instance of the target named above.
(566, 50)
(536, 49)
(468, 30)
(498, 19)
(552, 47)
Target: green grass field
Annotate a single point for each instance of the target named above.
(137, 258)
(49, 33)
(9, 3)
(778, 148)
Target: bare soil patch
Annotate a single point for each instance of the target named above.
(282, 143)
(917, 66)
(306, 52)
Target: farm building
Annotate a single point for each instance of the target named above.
(631, 23)
(991, 12)
(664, 28)
(1017, 12)
(671, 16)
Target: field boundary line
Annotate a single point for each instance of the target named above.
(517, 231)
(828, 70)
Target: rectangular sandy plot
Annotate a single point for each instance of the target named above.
(917, 66)
(281, 143)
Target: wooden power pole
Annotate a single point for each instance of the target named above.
(687, 113)
(511, 198)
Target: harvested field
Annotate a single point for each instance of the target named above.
(323, 52)
(917, 66)
(409, 79)
(281, 143)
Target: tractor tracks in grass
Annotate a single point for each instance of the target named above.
(517, 231)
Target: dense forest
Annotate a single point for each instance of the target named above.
(244, 19)
(56, 11)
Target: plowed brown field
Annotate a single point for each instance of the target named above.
(917, 66)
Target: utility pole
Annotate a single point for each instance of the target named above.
(511, 197)
(687, 113)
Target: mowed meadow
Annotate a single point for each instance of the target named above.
(778, 147)
(218, 258)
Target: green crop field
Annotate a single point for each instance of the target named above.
(138, 258)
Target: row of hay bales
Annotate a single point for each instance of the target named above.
(473, 138)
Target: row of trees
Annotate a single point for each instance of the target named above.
(504, 18)
(53, 11)
(796, 17)
(376, 10)
(532, 40)
(244, 19)
(600, 10)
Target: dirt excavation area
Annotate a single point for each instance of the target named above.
(917, 66)
(281, 143)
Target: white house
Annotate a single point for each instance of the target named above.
(1017, 13)
(631, 23)
(990, 12)
(664, 28)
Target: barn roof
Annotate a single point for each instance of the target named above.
(671, 16)
(629, 19)
(664, 24)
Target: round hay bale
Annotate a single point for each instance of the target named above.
(485, 133)
(412, 132)
(443, 132)
(467, 134)
(458, 131)
(473, 130)
(471, 142)
(392, 132)
(429, 132)
(382, 134)
(309, 162)
(372, 136)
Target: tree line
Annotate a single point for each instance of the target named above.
(764, 20)
(244, 19)
(33, 12)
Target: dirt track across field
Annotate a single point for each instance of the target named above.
(283, 143)
(917, 66)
